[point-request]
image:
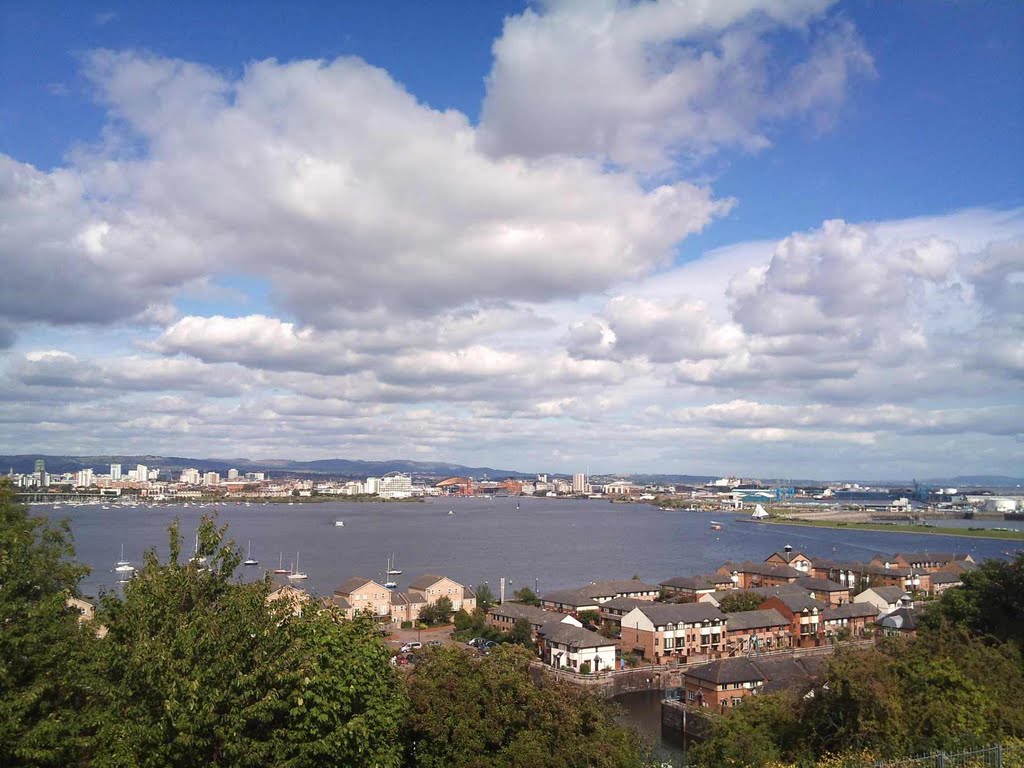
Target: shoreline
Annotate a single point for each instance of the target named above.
(987, 533)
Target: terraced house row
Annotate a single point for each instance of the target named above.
(802, 602)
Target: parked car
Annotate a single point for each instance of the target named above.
(413, 646)
(434, 642)
(403, 661)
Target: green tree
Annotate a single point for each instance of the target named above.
(860, 705)
(443, 608)
(739, 739)
(990, 602)
(485, 598)
(526, 595)
(200, 670)
(45, 654)
(486, 712)
(589, 619)
(740, 601)
(348, 707)
(522, 633)
(438, 612)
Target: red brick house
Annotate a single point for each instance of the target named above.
(805, 615)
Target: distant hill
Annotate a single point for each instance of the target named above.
(25, 463)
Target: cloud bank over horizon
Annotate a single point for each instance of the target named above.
(305, 260)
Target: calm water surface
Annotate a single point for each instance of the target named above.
(547, 544)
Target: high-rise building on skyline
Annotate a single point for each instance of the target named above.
(115, 471)
(232, 474)
(579, 483)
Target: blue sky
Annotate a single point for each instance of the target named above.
(531, 323)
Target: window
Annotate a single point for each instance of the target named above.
(691, 696)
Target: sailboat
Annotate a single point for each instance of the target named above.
(280, 566)
(759, 513)
(197, 558)
(250, 560)
(392, 571)
(297, 575)
(124, 567)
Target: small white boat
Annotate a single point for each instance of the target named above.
(296, 574)
(450, 512)
(392, 571)
(124, 567)
(339, 523)
(250, 560)
(759, 513)
(716, 526)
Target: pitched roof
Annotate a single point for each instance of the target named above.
(851, 611)
(694, 582)
(742, 620)
(945, 577)
(929, 557)
(616, 587)
(573, 597)
(773, 672)
(532, 613)
(901, 618)
(891, 595)
(622, 604)
(725, 671)
(787, 556)
(764, 569)
(349, 586)
(820, 585)
(468, 594)
(426, 581)
(338, 602)
(797, 603)
(675, 613)
(574, 637)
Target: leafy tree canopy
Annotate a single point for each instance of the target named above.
(527, 596)
(45, 667)
(741, 601)
(486, 712)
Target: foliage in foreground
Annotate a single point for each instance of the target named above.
(486, 712)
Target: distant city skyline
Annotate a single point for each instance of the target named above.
(782, 238)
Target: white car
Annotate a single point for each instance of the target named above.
(413, 646)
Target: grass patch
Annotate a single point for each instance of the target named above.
(987, 533)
